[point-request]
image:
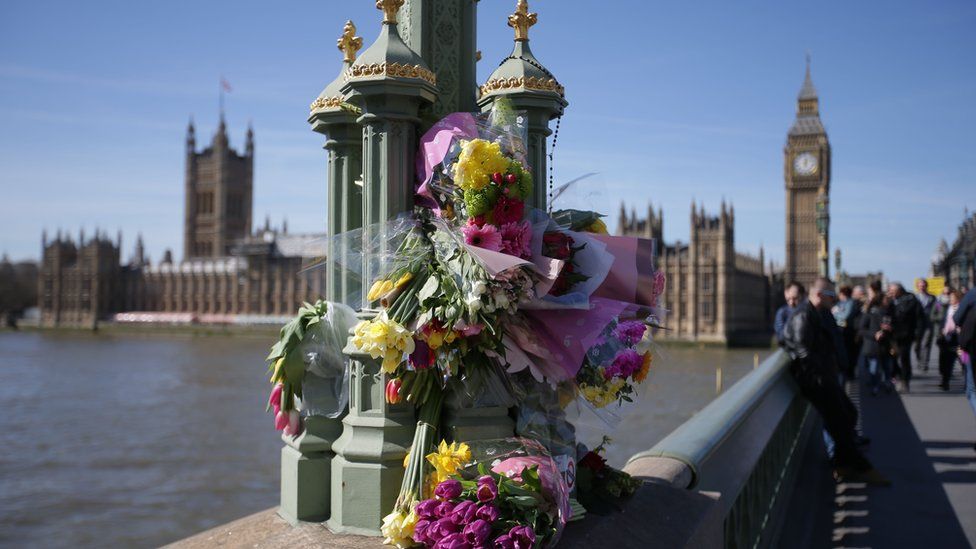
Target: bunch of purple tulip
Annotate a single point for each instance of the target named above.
(473, 515)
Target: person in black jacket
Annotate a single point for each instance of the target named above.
(875, 340)
(907, 326)
(809, 340)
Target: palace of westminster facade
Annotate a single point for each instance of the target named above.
(713, 293)
(227, 270)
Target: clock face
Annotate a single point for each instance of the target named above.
(805, 164)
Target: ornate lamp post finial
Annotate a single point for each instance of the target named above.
(349, 44)
(521, 20)
(390, 9)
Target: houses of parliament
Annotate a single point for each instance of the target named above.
(716, 294)
(228, 270)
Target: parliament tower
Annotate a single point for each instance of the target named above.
(219, 194)
(807, 174)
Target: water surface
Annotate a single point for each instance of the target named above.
(121, 440)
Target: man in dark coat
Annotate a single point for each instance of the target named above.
(907, 322)
(810, 340)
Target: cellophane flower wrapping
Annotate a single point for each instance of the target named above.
(506, 493)
(326, 384)
(541, 416)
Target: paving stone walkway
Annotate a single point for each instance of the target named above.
(923, 441)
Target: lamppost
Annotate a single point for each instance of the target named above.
(823, 229)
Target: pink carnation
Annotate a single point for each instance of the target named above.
(517, 239)
(486, 236)
(508, 210)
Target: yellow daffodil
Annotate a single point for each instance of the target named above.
(384, 338)
(402, 281)
(276, 375)
(379, 289)
(448, 459)
(398, 528)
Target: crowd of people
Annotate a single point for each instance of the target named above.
(836, 337)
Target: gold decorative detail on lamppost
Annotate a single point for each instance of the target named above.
(521, 20)
(390, 9)
(349, 44)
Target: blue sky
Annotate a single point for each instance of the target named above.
(669, 102)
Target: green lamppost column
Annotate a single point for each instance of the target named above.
(530, 87)
(389, 82)
(444, 33)
(306, 460)
(332, 116)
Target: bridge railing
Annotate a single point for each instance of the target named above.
(745, 446)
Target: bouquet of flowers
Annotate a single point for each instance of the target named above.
(601, 488)
(621, 358)
(501, 493)
(309, 348)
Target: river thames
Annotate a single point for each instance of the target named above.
(138, 440)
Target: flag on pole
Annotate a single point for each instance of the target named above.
(225, 85)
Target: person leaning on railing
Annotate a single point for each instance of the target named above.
(810, 344)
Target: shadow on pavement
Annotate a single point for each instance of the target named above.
(914, 512)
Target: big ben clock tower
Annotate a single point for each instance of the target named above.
(807, 174)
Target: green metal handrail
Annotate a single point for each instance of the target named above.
(745, 446)
(697, 439)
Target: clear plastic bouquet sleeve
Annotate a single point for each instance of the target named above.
(325, 388)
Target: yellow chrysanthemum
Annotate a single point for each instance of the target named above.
(603, 396)
(478, 160)
(448, 459)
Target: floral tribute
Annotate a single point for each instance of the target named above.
(484, 300)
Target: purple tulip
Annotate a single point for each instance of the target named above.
(504, 541)
(488, 513)
(420, 532)
(453, 541)
(449, 489)
(428, 509)
(464, 512)
(441, 529)
(523, 536)
(487, 489)
(477, 532)
(444, 509)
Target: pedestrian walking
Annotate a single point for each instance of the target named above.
(930, 315)
(847, 315)
(948, 341)
(876, 341)
(907, 325)
(793, 294)
(810, 343)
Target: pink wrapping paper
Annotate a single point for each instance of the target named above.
(631, 278)
(566, 334)
(434, 146)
